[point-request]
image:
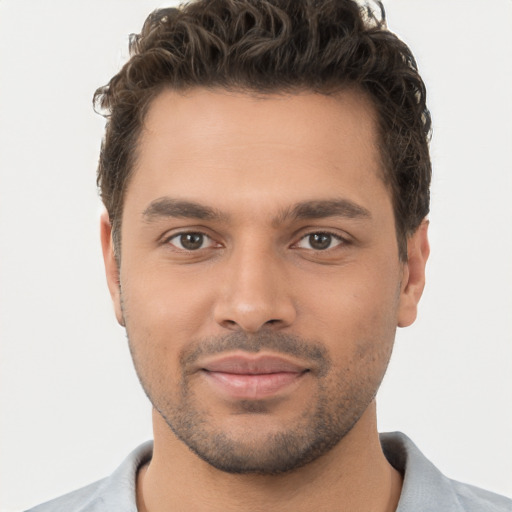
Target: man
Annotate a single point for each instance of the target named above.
(265, 172)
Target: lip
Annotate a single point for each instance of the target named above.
(252, 365)
(246, 377)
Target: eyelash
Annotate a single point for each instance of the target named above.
(332, 237)
(168, 240)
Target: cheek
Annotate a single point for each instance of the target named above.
(356, 293)
(360, 345)
(356, 313)
(158, 294)
(163, 312)
(159, 321)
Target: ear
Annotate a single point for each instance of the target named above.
(111, 267)
(413, 280)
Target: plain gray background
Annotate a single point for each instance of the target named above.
(71, 406)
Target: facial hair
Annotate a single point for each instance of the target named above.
(341, 396)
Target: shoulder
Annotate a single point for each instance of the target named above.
(478, 500)
(87, 498)
(426, 489)
(116, 492)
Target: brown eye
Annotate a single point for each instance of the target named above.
(319, 241)
(190, 241)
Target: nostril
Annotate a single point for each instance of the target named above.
(255, 313)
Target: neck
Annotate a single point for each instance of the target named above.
(354, 475)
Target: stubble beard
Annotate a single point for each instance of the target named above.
(340, 400)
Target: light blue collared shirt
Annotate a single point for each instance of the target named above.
(425, 488)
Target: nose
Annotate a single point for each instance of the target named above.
(255, 292)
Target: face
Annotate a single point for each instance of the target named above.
(260, 282)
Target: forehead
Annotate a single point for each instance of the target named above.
(227, 120)
(214, 143)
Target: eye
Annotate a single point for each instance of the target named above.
(319, 241)
(191, 241)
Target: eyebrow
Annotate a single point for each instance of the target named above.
(317, 209)
(321, 209)
(169, 207)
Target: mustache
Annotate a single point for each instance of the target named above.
(281, 343)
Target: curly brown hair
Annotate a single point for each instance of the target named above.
(269, 46)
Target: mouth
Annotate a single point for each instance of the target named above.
(252, 378)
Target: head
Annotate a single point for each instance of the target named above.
(265, 171)
(266, 47)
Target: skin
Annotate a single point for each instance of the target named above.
(320, 285)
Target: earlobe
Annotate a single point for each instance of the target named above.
(111, 266)
(413, 282)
